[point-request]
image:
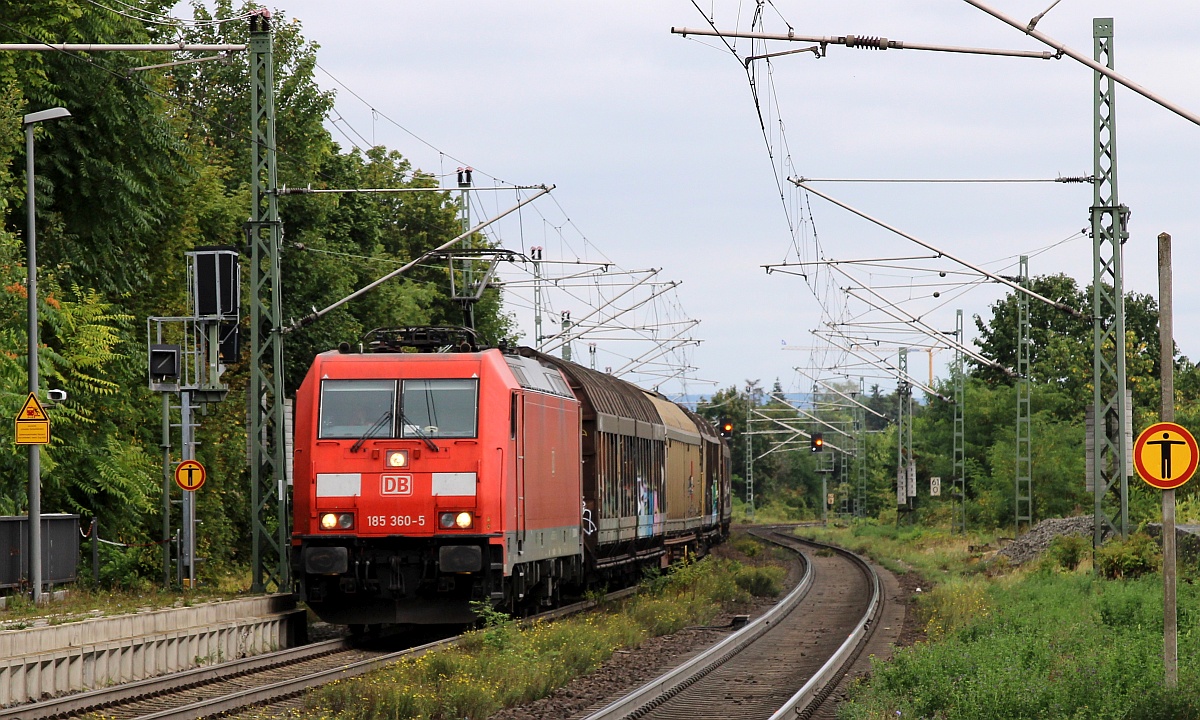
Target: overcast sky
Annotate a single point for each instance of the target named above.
(655, 146)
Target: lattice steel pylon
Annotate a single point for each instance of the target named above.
(264, 234)
(1111, 462)
(904, 456)
(749, 455)
(1023, 497)
(959, 520)
(860, 456)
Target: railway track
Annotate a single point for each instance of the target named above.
(172, 695)
(231, 686)
(782, 665)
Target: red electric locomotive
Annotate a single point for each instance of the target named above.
(429, 474)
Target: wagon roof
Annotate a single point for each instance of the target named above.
(600, 392)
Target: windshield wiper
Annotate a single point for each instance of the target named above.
(383, 420)
(417, 430)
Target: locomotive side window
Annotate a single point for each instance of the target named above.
(358, 408)
(440, 408)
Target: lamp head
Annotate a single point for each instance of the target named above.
(51, 114)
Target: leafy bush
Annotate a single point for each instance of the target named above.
(747, 545)
(1069, 550)
(760, 581)
(129, 569)
(1130, 558)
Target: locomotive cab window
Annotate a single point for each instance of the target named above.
(440, 408)
(358, 408)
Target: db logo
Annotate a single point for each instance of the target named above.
(396, 485)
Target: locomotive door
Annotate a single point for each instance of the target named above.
(519, 480)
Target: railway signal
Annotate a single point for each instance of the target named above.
(816, 442)
(726, 428)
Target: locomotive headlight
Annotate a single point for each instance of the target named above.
(337, 521)
(461, 520)
(397, 458)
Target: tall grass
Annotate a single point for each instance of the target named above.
(503, 665)
(935, 554)
(1045, 641)
(1049, 645)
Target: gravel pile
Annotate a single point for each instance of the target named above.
(1033, 543)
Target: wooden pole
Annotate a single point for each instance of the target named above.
(1166, 345)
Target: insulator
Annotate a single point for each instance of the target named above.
(871, 43)
(1077, 179)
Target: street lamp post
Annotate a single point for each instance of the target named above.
(35, 457)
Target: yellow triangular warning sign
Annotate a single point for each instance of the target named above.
(32, 410)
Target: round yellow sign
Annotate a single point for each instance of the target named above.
(1165, 455)
(189, 475)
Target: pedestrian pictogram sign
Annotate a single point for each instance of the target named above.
(189, 475)
(1165, 455)
(33, 425)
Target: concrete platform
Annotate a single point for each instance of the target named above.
(42, 662)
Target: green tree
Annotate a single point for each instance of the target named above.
(1047, 325)
(154, 164)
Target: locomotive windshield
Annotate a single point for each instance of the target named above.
(430, 408)
(440, 408)
(357, 408)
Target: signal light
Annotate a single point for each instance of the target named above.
(726, 428)
(816, 442)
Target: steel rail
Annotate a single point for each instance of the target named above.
(91, 699)
(287, 688)
(805, 700)
(699, 666)
(826, 679)
(161, 685)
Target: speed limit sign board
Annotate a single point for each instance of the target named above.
(189, 475)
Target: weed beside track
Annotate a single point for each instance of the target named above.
(1050, 640)
(503, 665)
